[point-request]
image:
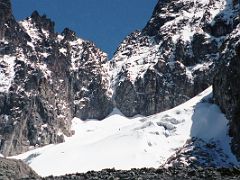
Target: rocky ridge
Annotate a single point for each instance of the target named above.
(173, 58)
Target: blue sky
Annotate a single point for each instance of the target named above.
(105, 22)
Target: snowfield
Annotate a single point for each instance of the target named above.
(125, 143)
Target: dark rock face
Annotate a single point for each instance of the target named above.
(173, 58)
(15, 169)
(94, 103)
(46, 80)
(149, 93)
(6, 10)
(126, 95)
(9, 28)
(226, 86)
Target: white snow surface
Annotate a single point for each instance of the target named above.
(125, 143)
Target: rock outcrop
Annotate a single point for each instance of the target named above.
(173, 58)
(199, 153)
(46, 79)
(15, 169)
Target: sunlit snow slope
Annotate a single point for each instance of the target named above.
(125, 143)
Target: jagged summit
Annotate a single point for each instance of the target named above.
(43, 21)
(209, 16)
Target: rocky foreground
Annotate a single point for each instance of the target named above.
(11, 169)
(145, 173)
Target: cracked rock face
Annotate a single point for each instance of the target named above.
(46, 80)
(173, 58)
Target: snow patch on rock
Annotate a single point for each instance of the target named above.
(6, 72)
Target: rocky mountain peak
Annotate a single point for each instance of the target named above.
(154, 24)
(43, 22)
(183, 37)
(69, 34)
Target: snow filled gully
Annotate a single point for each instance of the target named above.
(124, 143)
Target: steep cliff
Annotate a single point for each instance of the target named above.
(46, 79)
(226, 85)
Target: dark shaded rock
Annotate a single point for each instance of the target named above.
(201, 47)
(126, 98)
(221, 28)
(6, 11)
(151, 93)
(43, 22)
(9, 28)
(94, 103)
(152, 28)
(69, 34)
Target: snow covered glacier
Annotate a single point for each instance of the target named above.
(153, 141)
